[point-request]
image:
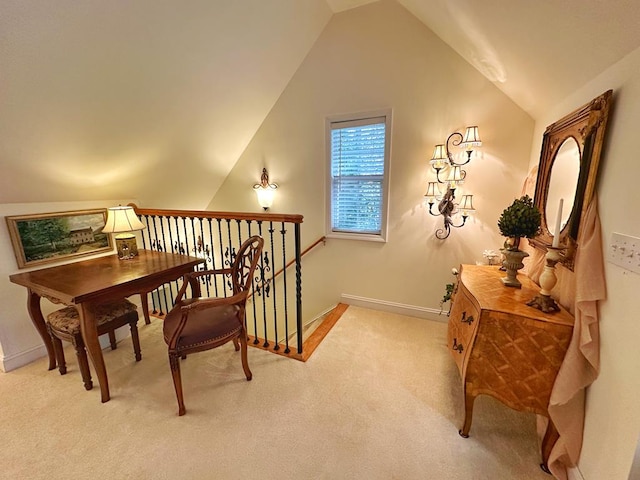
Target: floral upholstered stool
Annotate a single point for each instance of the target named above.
(64, 324)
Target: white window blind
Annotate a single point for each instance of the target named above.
(358, 155)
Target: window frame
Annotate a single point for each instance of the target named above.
(354, 119)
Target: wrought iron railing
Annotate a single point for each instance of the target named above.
(274, 310)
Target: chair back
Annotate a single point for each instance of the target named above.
(245, 263)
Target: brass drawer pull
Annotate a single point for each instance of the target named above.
(465, 319)
(457, 346)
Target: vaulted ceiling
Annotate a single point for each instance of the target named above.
(157, 100)
(536, 52)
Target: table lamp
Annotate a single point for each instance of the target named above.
(122, 221)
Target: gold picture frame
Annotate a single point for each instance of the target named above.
(49, 237)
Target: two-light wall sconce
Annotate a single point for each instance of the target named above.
(443, 190)
(265, 190)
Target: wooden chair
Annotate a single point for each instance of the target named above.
(198, 324)
(64, 324)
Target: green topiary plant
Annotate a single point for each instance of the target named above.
(520, 219)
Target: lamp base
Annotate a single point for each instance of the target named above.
(127, 246)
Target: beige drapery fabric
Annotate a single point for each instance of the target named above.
(579, 292)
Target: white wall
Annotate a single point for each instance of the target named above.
(145, 99)
(612, 414)
(380, 56)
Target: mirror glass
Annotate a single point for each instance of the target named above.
(568, 169)
(562, 184)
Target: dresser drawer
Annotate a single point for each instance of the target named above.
(463, 323)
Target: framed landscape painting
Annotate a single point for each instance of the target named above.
(49, 237)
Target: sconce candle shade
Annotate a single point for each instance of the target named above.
(456, 177)
(466, 206)
(432, 190)
(439, 159)
(265, 190)
(471, 138)
(123, 221)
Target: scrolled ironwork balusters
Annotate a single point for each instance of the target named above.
(283, 233)
(188, 233)
(261, 267)
(186, 248)
(144, 241)
(298, 286)
(256, 288)
(160, 246)
(276, 346)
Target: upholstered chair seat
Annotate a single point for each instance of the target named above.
(204, 326)
(64, 324)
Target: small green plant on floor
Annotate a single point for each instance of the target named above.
(447, 296)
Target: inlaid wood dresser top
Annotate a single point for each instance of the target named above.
(503, 347)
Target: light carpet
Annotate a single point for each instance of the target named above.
(379, 399)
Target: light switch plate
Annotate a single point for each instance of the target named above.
(624, 251)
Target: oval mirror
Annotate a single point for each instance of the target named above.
(568, 169)
(563, 183)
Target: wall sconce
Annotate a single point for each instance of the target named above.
(265, 190)
(123, 221)
(443, 190)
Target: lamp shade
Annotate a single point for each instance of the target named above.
(439, 158)
(265, 196)
(456, 177)
(466, 205)
(472, 138)
(265, 190)
(122, 219)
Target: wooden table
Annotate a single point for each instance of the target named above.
(91, 282)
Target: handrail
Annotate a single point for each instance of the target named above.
(261, 217)
(291, 262)
(304, 252)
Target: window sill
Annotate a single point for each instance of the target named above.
(357, 236)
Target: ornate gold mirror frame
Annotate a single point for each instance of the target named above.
(586, 126)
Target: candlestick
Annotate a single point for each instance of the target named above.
(556, 232)
(547, 281)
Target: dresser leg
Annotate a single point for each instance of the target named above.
(468, 415)
(549, 440)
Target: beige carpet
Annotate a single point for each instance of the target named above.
(379, 399)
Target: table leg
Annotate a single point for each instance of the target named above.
(33, 306)
(145, 307)
(468, 414)
(89, 331)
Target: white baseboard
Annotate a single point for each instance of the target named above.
(17, 360)
(392, 307)
(20, 359)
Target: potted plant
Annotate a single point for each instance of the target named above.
(520, 219)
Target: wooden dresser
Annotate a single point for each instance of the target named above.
(503, 347)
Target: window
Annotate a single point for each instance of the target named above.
(358, 159)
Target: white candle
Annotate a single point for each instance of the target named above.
(556, 232)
